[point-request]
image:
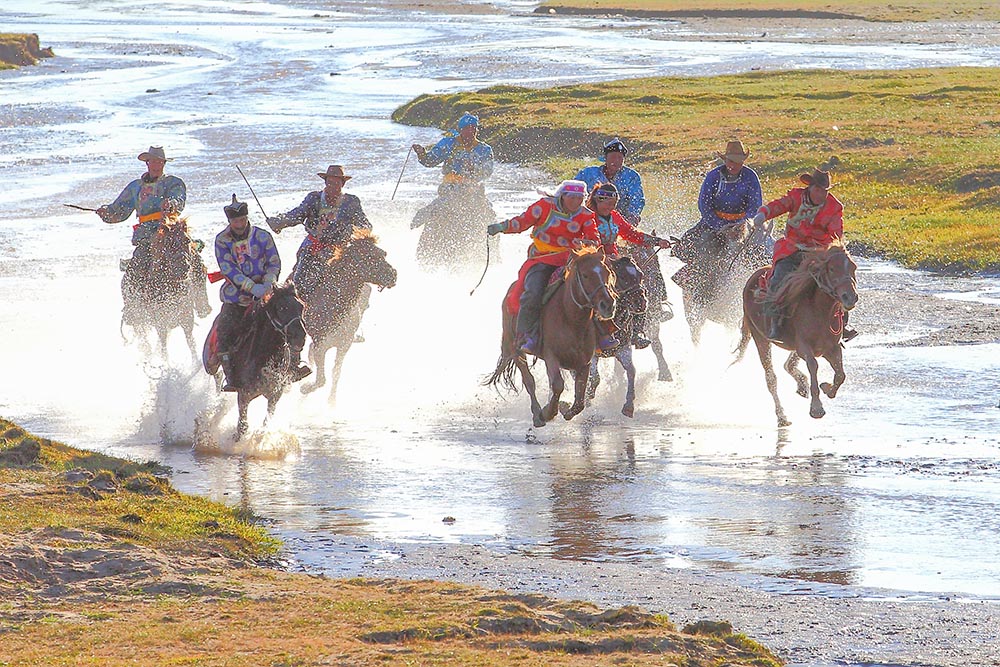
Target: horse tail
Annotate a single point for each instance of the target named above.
(504, 373)
(744, 340)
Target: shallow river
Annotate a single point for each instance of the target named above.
(895, 492)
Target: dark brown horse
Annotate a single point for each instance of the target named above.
(568, 337)
(647, 261)
(172, 292)
(261, 360)
(814, 297)
(335, 306)
(632, 301)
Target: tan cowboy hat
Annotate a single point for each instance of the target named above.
(818, 177)
(735, 151)
(334, 170)
(154, 153)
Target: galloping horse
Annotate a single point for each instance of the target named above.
(335, 306)
(173, 291)
(452, 228)
(711, 278)
(261, 360)
(568, 338)
(631, 301)
(815, 298)
(645, 258)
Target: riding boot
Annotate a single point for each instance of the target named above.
(639, 340)
(848, 334)
(228, 383)
(774, 318)
(298, 369)
(605, 335)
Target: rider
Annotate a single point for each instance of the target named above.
(611, 225)
(729, 194)
(330, 216)
(556, 222)
(815, 219)
(248, 259)
(151, 196)
(466, 163)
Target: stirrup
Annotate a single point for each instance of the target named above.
(607, 342)
(300, 373)
(849, 335)
(640, 342)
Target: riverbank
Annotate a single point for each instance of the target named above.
(18, 49)
(911, 150)
(103, 559)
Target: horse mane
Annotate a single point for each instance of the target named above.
(800, 281)
(362, 234)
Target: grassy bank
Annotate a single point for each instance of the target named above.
(914, 150)
(17, 49)
(103, 563)
(906, 10)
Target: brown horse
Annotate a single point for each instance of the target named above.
(568, 338)
(272, 328)
(815, 297)
(173, 291)
(335, 306)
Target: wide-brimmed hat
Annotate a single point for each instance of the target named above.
(818, 177)
(334, 171)
(154, 153)
(735, 151)
(236, 209)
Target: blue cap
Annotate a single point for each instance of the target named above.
(467, 119)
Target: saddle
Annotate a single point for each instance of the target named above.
(210, 352)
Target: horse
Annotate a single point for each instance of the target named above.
(568, 337)
(172, 292)
(335, 306)
(452, 227)
(647, 261)
(262, 357)
(816, 296)
(631, 301)
(716, 265)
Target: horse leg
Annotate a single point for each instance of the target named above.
(317, 355)
(188, 328)
(836, 359)
(579, 391)
(338, 364)
(695, 318)
(529, 384)
(594, 378)
(801, 382)
(242, 402)
(653, 333)
(272, 403)
(816, 410)
(624, 357)
(556, 385)
(764, 352)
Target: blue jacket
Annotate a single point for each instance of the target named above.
(245, 262)
(314, 213)
(146, 199)
(736, 199)
(459, 163)
(631, 199)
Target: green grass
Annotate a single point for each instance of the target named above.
(914, 149)
(903, 10)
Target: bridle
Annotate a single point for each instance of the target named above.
(588, 297)
(280, 327)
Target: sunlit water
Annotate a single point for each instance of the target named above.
(896, 488)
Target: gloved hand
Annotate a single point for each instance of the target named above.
(104, 213)
(495, 228)
(663, 243)
(275, 224)
(269, 281)
(758, 220)
(258, 291)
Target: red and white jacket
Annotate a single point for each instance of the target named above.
(807, 226)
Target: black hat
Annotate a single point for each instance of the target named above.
(237, 209)
(616, 145)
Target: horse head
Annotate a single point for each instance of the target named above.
(628, 275)
(284, 311)
(836, 275)
(367, 261)
(171, 255)
(591, 283)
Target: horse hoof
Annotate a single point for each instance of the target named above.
(783, 422)
(628, 411)
(538, 422)
(665, 376)
(828, 390)
(817, 413)
(803, 392)
(307, 388)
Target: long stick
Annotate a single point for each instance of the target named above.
(81, 208)
(251, 191)
(401, 178)
(485, 267)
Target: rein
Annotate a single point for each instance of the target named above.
(278, 326)
(588, 297)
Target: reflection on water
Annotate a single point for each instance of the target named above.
(896, 487)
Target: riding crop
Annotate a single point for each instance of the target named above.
(485, 267)
(410, 150)
(81, 208)
(251, 191)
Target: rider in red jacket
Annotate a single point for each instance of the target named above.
(815, 220)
